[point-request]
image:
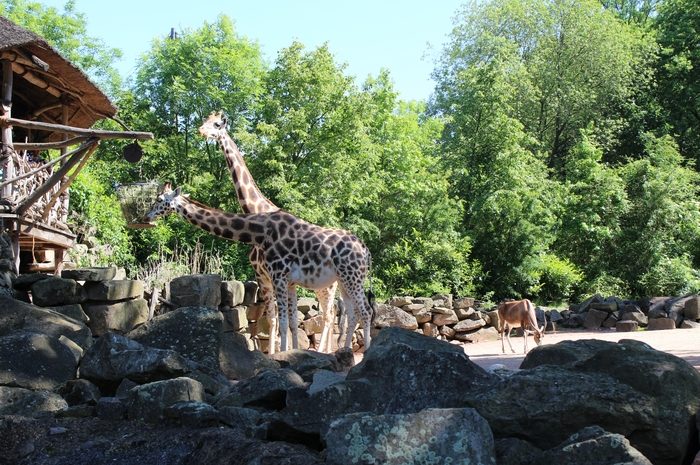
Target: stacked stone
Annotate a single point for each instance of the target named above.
(99, 297)
(598, 312)
(440, 316)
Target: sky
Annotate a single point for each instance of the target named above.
(405, 37)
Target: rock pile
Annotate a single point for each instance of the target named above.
(623, 315)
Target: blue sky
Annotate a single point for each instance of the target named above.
(404, 37)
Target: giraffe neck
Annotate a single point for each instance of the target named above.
(249, 229)
(249, 195)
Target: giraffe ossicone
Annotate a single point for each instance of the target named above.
(252, 200)
(293, 251)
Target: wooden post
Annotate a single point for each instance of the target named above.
(6, 152)
(7, 148)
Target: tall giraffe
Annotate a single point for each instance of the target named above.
(252, 200)
(293, 251)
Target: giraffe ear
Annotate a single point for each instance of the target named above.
(177, 192)
(224, 120)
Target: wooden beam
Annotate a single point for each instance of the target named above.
(96, 133)
(56, 177)
(65, 185)
(49, 145)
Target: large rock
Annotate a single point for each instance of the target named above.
(390, 316)
(194, 332)
(16, 315)
(530, 404)
(691, 311)
(237, 361)
(200, 290)
(267, 390)
(28, 403)
(120, 316)
(114, 290)
(456, 436)
(402, 372)
(232, 293)
(91, 274)
(114, 357)
(669, 384)
(35, 361)
(74, 311)
(594, 445)
(149, 402)
(57, 291)
(661, 324)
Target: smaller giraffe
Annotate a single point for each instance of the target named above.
(294, 252)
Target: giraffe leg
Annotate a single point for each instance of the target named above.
(267, 293)
(281, 293)
(358, 309)
(350, 311)
(325, 302)
(293, 316)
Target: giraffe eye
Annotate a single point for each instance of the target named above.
(217, 125)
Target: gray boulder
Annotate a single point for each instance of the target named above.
(306, 362)
(666, 389)
(35, 361)
(79, 391)
(530, 404)
(691, 311)
(267, 390)
(402, 372)
(57, 291)
(28, 403)
(594, 445)
(200, 290)
(114, 357)
(114, 290)
(192, 413)
(390, 316)
(237, 361)
(149, 402)
(456, 436)
(74, 311)
(91, 274)
(232, 293)
(119, 316)
(17, 315)
(193, 332)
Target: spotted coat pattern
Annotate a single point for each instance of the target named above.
(252, 200)
(293, 251)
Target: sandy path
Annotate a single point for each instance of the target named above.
(684, 343)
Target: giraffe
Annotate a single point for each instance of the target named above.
(252, 200)
(293, 251)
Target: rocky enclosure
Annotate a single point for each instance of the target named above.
(91, 379)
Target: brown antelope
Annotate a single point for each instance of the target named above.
(520, 313)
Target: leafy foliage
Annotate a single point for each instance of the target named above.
(556, 158)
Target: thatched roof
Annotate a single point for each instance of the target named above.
(40, 93)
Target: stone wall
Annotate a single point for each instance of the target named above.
(108, 302)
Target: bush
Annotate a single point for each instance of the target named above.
(671, 276)
(554, 278)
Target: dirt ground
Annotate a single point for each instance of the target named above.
(684, 343)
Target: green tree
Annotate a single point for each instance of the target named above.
(511, 202)
(678, 32)
(594, 205)
(661, 229)
(573, 64)
(67, 32)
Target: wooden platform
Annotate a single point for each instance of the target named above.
(36, 235)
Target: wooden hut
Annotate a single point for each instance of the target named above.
(47, 103)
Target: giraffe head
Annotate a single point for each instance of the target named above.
(165, 203)
(214, 126)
